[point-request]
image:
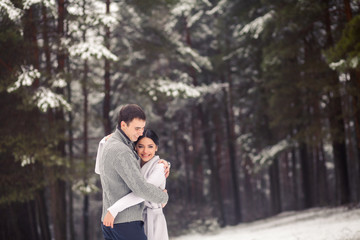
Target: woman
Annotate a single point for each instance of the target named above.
(154, 219)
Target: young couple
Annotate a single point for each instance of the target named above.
(130, 174)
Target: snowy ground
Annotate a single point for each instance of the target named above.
(314, 224)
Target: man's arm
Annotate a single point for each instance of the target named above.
(156, 178)
(126, 166)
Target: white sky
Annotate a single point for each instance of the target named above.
(313, 224)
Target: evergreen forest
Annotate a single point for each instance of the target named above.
(256, 103)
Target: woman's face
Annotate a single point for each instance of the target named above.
(146, 149)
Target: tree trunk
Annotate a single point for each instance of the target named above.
(85, 151)
(220, 162)
(31, 221)
(84, 84)
(275, 187)
(61, 33)
(58, 186)
(197, 185)
(311, 174)
(321, 176)
(58, 204)
(70, 212)
(46, 42)
(285, 182)
(306, 183)
(186, 161)
(107, 100)
(355, 83)
(295, 181)
(248, 191)
(188, 178)
(36, 215)
(231, 139)
(215, 178)
(316, 176)
(43, 215)
(30, 37)
(347, 9)
(341, 173)
(337, 125)
(195, 160)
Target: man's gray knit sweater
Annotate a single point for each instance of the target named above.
(120, 175)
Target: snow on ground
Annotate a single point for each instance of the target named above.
(313, 224)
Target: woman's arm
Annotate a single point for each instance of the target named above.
(99, 154)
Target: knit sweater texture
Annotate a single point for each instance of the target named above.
(119, 167)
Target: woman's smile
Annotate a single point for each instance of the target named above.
(145, 155)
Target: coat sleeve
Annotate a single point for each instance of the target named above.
(157, 177)
(127, 167)
(125, 202)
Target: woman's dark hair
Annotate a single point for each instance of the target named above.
(130, 112)
(149, 134)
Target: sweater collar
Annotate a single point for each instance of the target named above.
(123, 137)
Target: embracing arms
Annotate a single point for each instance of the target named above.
(157, 178)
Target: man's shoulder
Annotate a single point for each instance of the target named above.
(114, 146)
(114, 142)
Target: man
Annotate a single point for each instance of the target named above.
(120, 174)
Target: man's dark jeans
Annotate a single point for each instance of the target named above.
(125, 231)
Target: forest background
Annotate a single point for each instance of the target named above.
(256, 102)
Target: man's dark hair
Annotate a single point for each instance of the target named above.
(130, 112)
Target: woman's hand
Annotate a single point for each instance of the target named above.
(166, 166)
(109, 220)
(108, 136)
(164, 204)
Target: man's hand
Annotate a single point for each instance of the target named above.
(166, 167)
(109, 220)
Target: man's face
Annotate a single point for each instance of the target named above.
(135, 128)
